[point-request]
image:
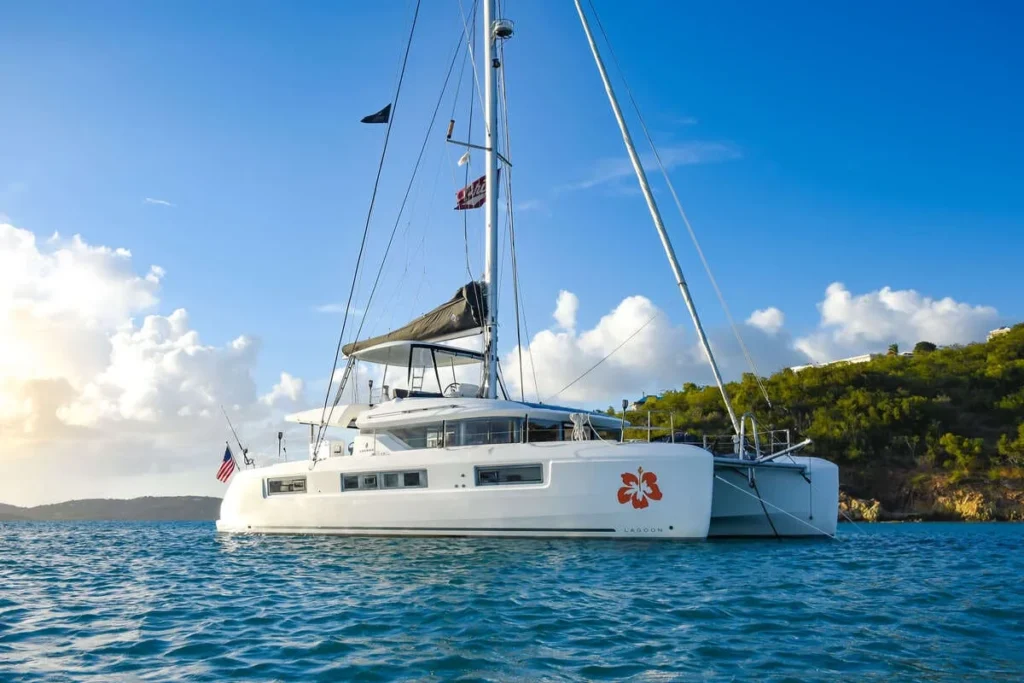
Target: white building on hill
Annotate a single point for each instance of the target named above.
(863, 358)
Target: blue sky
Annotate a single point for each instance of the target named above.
(876, 145)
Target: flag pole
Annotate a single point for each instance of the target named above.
(227, 446)
(245, 451)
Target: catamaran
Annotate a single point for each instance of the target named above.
(442, 456)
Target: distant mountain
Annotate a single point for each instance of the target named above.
(171, 508)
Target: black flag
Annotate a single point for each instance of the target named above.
(380, 117)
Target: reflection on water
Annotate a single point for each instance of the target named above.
(175, 601)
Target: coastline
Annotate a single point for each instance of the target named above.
(906, 497)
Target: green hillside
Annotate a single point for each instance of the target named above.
(939, 432)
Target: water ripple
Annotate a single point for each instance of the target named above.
(176, 602)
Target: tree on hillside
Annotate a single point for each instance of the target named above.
(924, 347)
(894, 350)
(1013, 451)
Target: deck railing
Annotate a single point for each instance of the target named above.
(644, 421)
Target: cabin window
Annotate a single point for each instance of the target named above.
(509, 474)
(420, 436)
(484, 432)
(371, 481)
(607, 434)
(543, 430)
(286, 485)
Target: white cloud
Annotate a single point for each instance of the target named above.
(532, 205)
(158, 202)
(654, 357)
(611, 169)
(853, 324)
(565, 310)
(337, 308)
(288, 389)
(769, 320)
(663, 355)
(94, 402)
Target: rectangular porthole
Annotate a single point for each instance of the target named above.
(509, 474)
(281, 485)
(372, 481)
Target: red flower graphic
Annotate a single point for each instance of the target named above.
(639, 487)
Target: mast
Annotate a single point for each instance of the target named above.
(656, 215)
(491, 63)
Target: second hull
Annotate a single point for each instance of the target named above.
(797, 498)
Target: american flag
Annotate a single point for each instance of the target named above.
(227, 466)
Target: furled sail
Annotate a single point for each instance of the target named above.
(465, 313)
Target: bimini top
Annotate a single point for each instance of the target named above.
(461, 316)
(414, 354)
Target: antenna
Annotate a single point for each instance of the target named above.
(245, 451)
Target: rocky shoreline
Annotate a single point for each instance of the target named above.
(920, 498)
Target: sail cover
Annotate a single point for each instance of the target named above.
(466, 312)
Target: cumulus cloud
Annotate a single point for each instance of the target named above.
(769, 320)
(853, 324)
(565, 310)
(633, 349)
(664, 355)
(288, 389)
(92, 396)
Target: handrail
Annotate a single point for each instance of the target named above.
(743, 440)
(787, 451)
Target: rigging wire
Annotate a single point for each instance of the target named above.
(408, 189)
(679, 206)
(612, 352)
(472, 57)
(510, 220)
(469, 135)
(470, 36)
(366, 228)
(469, 138)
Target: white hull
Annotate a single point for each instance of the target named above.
(577, 498)
(796, 506)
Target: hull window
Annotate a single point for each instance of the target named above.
(510, 474)
(286, 485)
(372, 481)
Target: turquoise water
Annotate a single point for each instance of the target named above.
(176, 602)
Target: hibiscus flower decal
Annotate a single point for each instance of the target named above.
(639, 488)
